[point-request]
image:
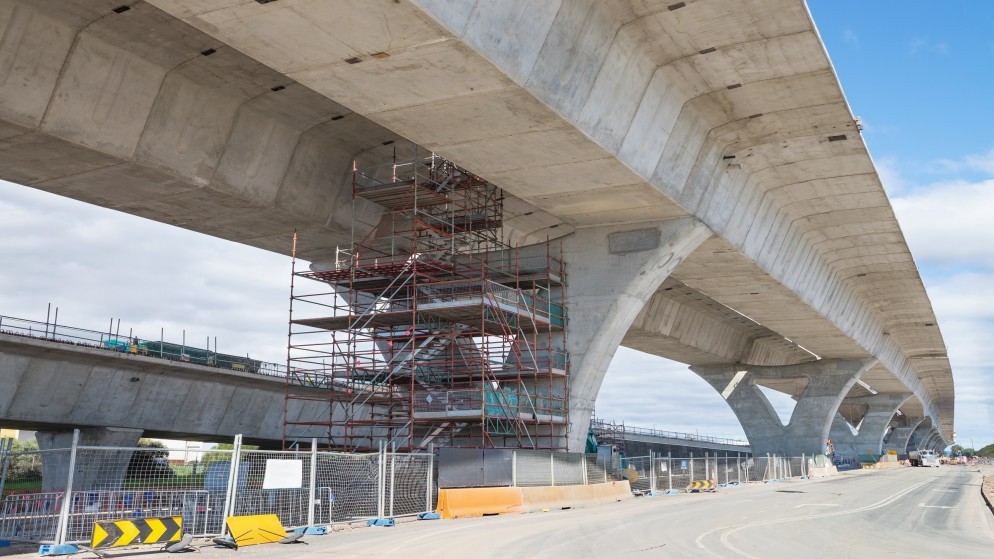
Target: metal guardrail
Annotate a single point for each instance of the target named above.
(600, 425)
(135, 345)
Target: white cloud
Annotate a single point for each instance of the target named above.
(850, 37)
(95, 264)
(949, 223)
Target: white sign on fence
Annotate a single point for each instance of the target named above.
(283, 474)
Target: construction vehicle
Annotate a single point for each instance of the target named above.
(925, 458)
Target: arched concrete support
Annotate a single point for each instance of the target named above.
(869, 439)
(612, 272)
(828, 382)
(901, 435)
(921, 435)
(934, 441)
(102, 470)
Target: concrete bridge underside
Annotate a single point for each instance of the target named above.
(241, 120)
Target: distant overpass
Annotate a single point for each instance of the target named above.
(697, 160)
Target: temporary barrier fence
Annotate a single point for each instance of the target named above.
(303, 488)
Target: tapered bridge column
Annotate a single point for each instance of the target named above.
(612, 272)
(827, 383)
(901, 435)
(880, 408)
(112, 463)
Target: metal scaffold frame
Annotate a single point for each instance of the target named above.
(430, 329)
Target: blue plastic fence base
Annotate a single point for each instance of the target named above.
(429, 516)
(380, 522)
(312, 530)
(57, 549)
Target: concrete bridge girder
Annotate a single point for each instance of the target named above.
(826, 383)
(148, 124)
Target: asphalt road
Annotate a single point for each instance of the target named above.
(916, 512)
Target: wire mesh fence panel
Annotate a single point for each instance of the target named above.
(726, 470)
(597, 469)
(568, 468)
(699, 467)
(681, 475)
(638, 471)
(798, 466)
(200, 511)
(663, 471)
(274, 482)
(347, 486)
(30, 517)
(407, 484)
(533, 468)
(756, 469)
(32, 493)
(124, 483)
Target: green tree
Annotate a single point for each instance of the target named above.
(216, 456)
(151, 462)
(987, 451)
(25, 464)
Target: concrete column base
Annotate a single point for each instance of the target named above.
(95, 469)
(828, 382)
(901, 435)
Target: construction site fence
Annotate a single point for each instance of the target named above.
(56, 496)
(665, 472)
(533, 468)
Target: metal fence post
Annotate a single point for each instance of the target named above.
(691, 467)
(552, 468)
(804, 463)
(431, 476)
(583, 468)
(63, 526)
(5, 450)
(514, 468)
(738, 468)
(232, 488)
(381, 482)
(652, 472)
(312, 481)
(669, 469)
(393, 479)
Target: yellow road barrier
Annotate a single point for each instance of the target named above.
(255, 529)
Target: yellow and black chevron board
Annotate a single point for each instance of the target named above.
(117, 533)
(703, 485)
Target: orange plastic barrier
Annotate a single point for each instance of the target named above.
(538, 498)
(478, 501)
(464, 503)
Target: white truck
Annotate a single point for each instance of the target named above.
(926, 458)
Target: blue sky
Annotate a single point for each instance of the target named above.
(919, 74)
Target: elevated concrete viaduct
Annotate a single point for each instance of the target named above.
(705, 148)
(52, 388)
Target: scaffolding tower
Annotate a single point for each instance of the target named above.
(430, 329)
